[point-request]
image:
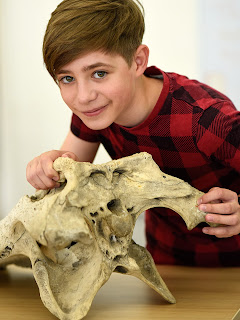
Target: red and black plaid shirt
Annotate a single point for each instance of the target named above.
(193, 133)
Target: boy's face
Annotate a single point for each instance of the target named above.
(100, 89)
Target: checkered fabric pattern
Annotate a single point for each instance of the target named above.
(193, 133)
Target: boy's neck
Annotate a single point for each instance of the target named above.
(147, 93)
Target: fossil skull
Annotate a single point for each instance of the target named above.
(75, 236)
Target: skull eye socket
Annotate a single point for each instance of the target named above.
(99, 177)
(96, 173)
(118, 171)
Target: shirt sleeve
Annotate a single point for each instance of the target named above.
(80, 130)
(218, 134)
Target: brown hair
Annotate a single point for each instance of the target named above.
(80, 26)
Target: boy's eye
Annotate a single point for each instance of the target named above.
(99, 74)
(67, 79)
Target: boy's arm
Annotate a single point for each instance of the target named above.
(40, 173)
(218, 137)
(84, 150)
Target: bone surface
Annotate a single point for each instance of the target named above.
(75, 236)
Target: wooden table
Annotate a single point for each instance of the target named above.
(201, 293)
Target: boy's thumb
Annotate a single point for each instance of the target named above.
(70, 155)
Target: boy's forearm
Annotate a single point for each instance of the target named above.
(84, 150)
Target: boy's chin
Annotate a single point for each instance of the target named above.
(97, 125)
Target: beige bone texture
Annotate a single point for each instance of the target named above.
(75, 236)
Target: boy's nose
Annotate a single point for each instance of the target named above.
(86, 93)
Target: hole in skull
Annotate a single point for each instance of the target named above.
(94, 214)
(119, 171)
(111, 204)
(76, 264)
(62, 184)
(130, 209)
(114, 206)
(117, 258)
(121, 269)
(113, 238)
(39, 244)
(71, 244)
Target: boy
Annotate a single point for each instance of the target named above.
(93, 50)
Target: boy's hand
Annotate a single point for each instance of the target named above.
(223, 208)
(40, 173)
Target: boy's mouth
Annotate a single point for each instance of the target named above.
(94, 112)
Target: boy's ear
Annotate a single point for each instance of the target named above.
(141, 59)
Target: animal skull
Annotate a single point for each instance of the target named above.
(77, 235)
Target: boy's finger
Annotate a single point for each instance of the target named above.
(221, 208)
(38, 184)
(229, 219)
(221, 232)
(217, 194)
(49, 171)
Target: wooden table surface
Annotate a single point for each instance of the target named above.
(201, 293)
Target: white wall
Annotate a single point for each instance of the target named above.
(33, 117)
(171, 34)
(219, 24)
(30, 100)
